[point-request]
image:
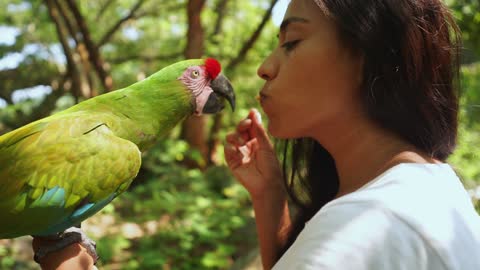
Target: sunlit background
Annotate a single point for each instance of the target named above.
(184, 210)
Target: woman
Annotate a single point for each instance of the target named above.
(365, 94)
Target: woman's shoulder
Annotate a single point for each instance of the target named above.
(416, 208)
(359, 236)
(429, 198)
(409, 188)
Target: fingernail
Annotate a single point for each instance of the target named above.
(258, 116)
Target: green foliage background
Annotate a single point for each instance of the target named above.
(183, 218)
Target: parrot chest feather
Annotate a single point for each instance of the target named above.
(55, 174)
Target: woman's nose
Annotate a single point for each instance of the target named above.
(268, 68)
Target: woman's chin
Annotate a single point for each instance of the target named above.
(272, 131)
(278, 133)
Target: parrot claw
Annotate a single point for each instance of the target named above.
(61, 240)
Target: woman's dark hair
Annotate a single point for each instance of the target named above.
(410, 85)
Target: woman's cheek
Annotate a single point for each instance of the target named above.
(280, 127)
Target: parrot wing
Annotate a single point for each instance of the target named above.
(56, 173)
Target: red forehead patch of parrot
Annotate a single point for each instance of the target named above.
(213, 67)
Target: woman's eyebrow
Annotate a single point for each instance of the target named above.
(290, 20)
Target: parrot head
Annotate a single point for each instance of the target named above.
(208, 86)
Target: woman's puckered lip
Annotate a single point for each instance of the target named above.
(262, 97)
(263, 94)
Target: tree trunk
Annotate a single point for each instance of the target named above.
(194, 129)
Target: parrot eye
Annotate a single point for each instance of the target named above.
(195, 74)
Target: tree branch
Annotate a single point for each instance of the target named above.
(72, 68)
(93, 53)
(103, 9)
(146, 58)
(27, 74)
(61, 33)
(166, 7)
(220, 11)
(7, 98)
(119, 24)
(87, 89)
(251, 41)
(73, 32)
(42, 110)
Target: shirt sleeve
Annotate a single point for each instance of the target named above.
(358, 236)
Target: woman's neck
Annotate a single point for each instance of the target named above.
(364, 151)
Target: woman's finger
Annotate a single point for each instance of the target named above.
(244, 125)
(257, 130)
(232, 154)
(243, 128)
(235, 139)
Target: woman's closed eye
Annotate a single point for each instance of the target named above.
(290, 45)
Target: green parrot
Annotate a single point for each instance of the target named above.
(62, 169)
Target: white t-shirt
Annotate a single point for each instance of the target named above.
(412, 217)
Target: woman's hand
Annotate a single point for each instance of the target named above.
(253, 161)
(250, 155)
(74, 256)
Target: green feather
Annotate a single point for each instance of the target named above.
(85, 155)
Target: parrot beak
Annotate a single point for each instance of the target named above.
(222, 88)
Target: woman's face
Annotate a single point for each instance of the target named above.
(312, 79)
